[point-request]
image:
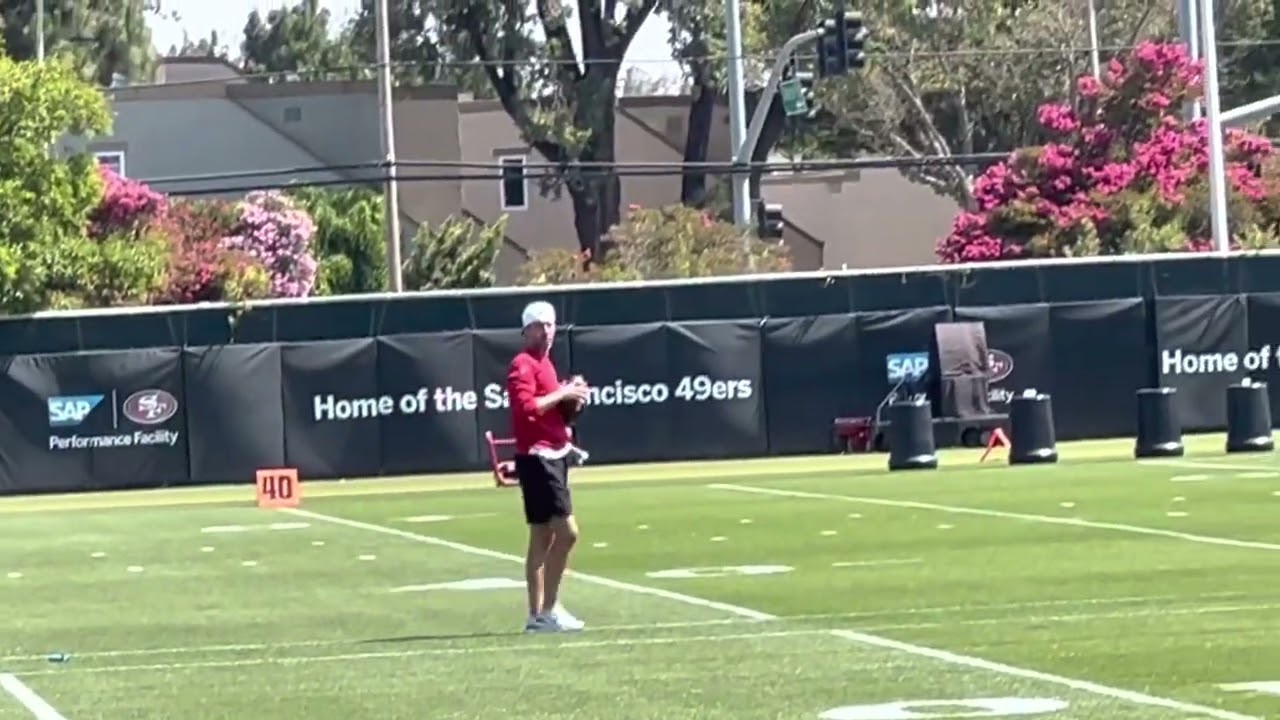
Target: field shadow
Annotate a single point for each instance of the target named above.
(439, 638)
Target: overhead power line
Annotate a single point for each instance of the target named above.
(414, 171)
(349, 71)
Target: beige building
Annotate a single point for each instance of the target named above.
(202, 118)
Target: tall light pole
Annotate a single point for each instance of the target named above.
(391, 194)
(1189, 29)
(1094, 56)
(1217, 161)
(737, 111)
(40, 31)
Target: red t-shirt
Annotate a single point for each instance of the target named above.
(529, 377)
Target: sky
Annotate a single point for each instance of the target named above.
(649, 51)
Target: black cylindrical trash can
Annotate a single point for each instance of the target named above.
(1159, 428)
(1034, 439)
(1249, 418)
(911, 445)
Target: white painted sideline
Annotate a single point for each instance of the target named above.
(934, 610)
(1031, 517)
(393, 654)
(29, 699)
(1161, 611)
(1198, 465)
(1136, 698)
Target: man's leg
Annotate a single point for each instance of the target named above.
(540, 541)
(565, 536)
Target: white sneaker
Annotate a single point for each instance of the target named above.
(565, 620)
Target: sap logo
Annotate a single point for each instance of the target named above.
(900, 365)
(68, 410)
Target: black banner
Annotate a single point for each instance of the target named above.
(93, 421)
(629, 414)
(1202, 346)
(420, 403)
(809, 380)
(713, 370)
(432, 380)
(1264, 340)
(333, 408)
(1101, 358)
(234, 411)
(1019, 355)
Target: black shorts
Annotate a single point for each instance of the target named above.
(544, 486)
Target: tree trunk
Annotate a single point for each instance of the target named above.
(693, 184)
(597, 197)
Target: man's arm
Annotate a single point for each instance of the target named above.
(520, 391)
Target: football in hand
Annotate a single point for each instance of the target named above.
(570, 409)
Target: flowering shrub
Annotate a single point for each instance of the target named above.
(1122, 172)
(272, 230)
(201, 268)
(127, 206)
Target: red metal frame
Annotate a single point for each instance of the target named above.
(854, 434)
(504, 471)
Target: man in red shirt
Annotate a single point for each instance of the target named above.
(543, 447)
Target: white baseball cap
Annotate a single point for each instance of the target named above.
(540, 312)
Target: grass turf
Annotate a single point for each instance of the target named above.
(1119, 589)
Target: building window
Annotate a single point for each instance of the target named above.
(113, 160)
(515, 189)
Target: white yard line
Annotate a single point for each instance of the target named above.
(40, 709)
(391, 655)
(1206, 465)
(863, 638)
(1159, 611)
(1031, 517)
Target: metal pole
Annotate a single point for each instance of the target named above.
(737, 111)
(1263, 108)
(40, 31)
(1093, 40)
(391, 194)
(766, 96)
(1189, 29)
(1217, 162)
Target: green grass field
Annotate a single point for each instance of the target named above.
(797, 589)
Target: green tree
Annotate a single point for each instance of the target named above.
(949, 78)
(297, 43)
(45, 200)
(349, 241)
(458, 253)
(205, 47)
(423, 51)
(698, 43)
(663, 243)
(105, 39)
(563, 104)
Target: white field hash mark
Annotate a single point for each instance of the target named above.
(944, 656)
(1008, 515)
(692, 624)
(29, 699)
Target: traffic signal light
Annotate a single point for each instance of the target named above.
(831, 58)
(842, 45)
(770, 225)
(854, 34)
